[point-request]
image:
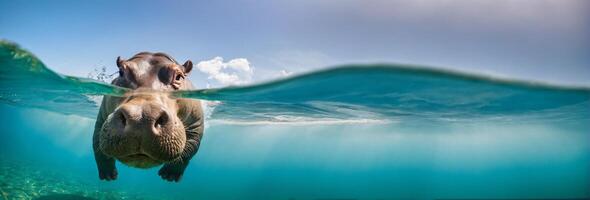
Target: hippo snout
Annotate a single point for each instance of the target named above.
(143, 132)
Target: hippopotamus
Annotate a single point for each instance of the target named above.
(147, 127)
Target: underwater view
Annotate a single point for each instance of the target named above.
(350, 132)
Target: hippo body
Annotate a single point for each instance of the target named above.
(146, 127)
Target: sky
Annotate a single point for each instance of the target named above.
(245, 42)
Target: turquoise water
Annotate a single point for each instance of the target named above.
(352, 132)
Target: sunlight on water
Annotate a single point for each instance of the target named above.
(378, 131)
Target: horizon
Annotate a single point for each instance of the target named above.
(538, 41)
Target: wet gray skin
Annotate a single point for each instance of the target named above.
(146, 127)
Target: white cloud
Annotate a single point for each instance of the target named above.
(285, 73)
(234, 72)
(286, 63)
(300, 60)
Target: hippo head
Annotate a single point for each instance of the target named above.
(144, 130)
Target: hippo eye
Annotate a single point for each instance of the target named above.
(178, 77)
(165, 75)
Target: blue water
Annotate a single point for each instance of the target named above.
(352, 132)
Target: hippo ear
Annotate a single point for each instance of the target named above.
(188, 66)
(119, 62)
(120, 65)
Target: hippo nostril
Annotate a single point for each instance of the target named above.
(123, 119)
(161, 120)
